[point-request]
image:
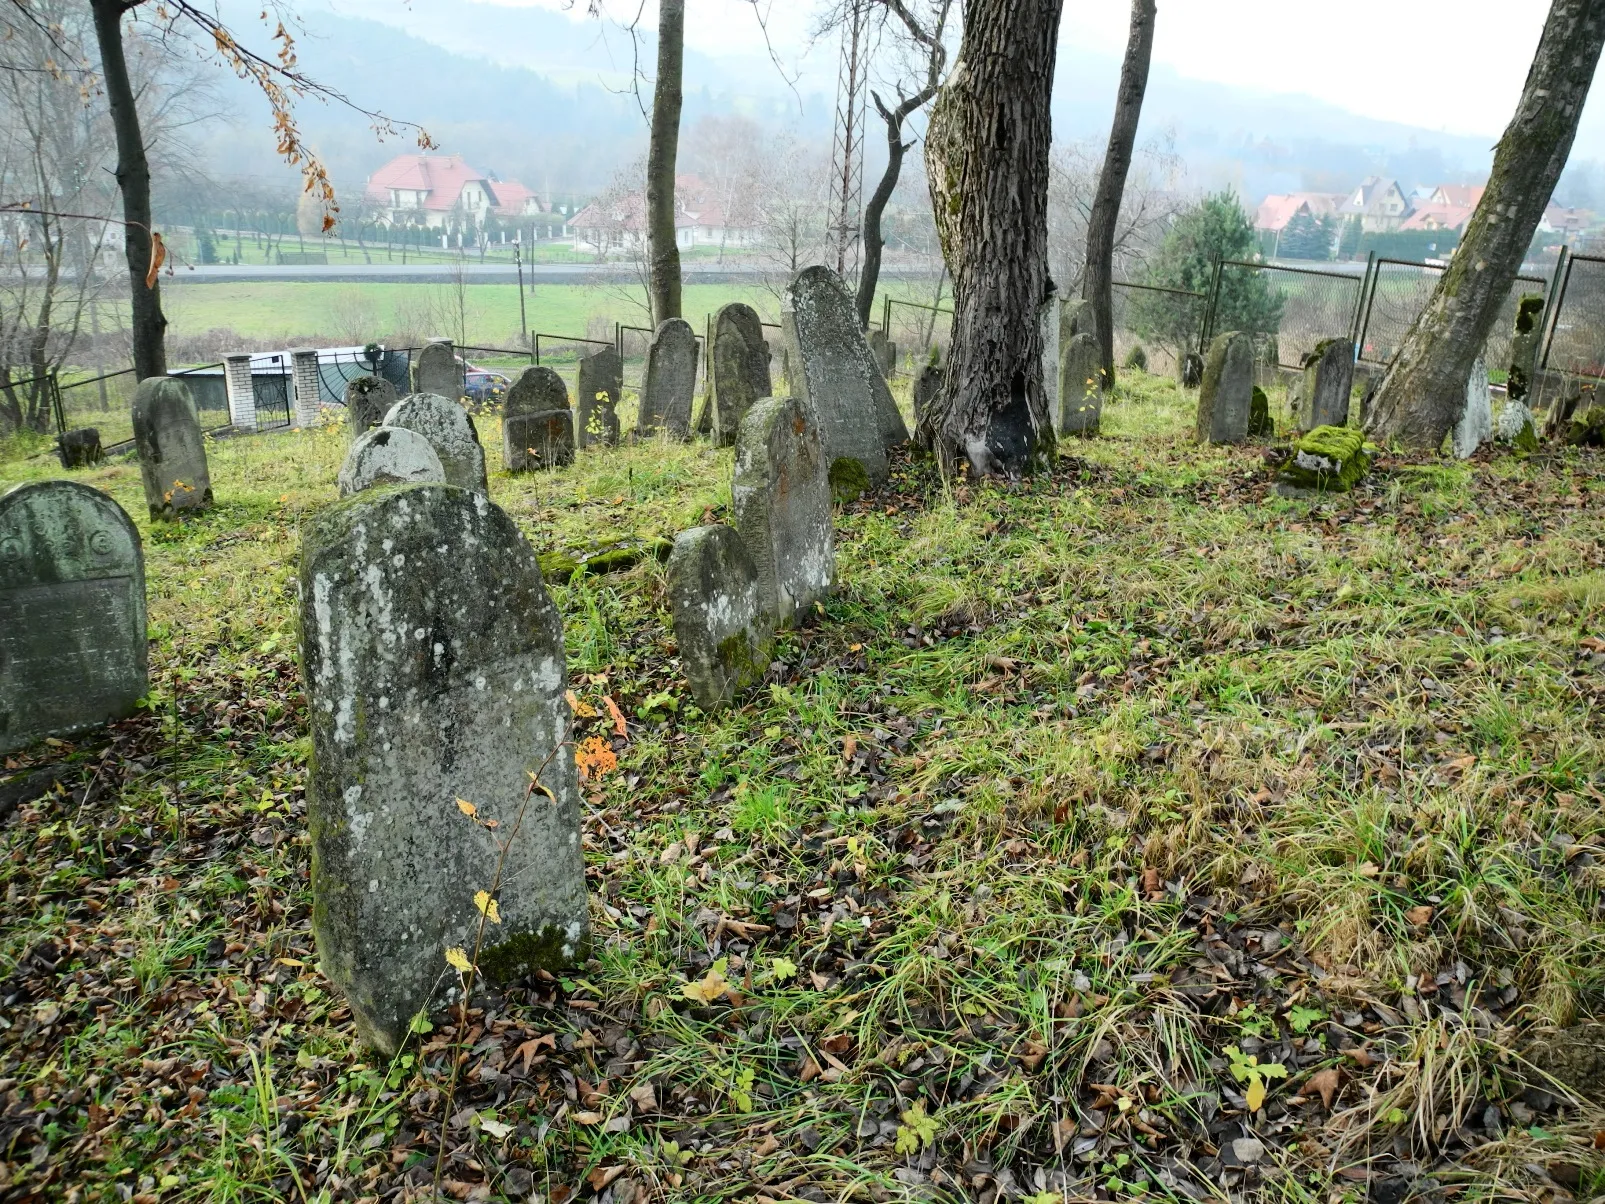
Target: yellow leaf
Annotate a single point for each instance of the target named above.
(711, 987)
(487, 906)
(467, 808)
(457, 960)
(1255, 1095)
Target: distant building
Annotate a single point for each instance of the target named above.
(1275, 212)
(441, 191)
(1438, 215)
(1462, 196)
(1379, 204)
(618, 221)
(1568, 223)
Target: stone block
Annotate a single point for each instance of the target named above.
(1330, 459)
(781, 496)
(725, 637)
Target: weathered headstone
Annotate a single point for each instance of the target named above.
(1050, 320)
(834, 376)
(450, 432)
(1080, 386)
(434, 672)
(172, 453)
(1327, 385)
(389, 455)
(72, 597)
(601, 385)
(1190, 372)
(1077, 317)
(781, 499)
(1227, 391)
(79, 448)
(1327, 459)
(884, 352)
(1524, 345)
(435, 370)
(671, 379)
(724, 635)
(1517, 425)
(927, 384)
(537, 425)
(740, 368)
(1260, 423)
(1476, 423)
(368, 399)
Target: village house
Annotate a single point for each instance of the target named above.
(617, 222)
(1381, 205)
(441, 192)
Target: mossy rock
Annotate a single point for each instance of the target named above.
(1136, 359)
(1587, 427)
(564, 567)
(1260, 422)
(848, 480)
(1333, 459)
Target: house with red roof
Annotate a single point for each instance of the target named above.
(440, 191)
(1276, 211)
(618, 221)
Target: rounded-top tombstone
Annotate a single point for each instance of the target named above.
(535, 390)
(72, 593)
(1226, 394)
(368, 399)
(670, 380)
(740, 375)
(172, 452)
(601, 385)
(450, 432)
(436, 370)
(389, 455)
(537, 425)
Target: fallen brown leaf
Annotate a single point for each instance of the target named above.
(1325, 1083)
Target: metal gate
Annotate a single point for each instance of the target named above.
(271, 388)
(1396, 292)
(1575, 341)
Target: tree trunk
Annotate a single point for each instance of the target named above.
(663, 252)
(1098, 283)
(1424, 389)
(869, 275)
(986, 153)
(149, 325)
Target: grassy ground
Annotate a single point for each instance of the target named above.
(1129, 833)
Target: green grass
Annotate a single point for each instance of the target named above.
(1078, 783)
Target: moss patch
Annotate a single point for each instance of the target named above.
(1331, 458)
(526, 952)
(848, 480)
(564, 567)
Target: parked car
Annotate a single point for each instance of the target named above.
(481, 386)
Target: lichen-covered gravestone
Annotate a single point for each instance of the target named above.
(927, 384)
(1327, 385)
(1524, 346)
(1517, 426)
(389, 455)
(723, 632)
(434, 672)
(450, 432)
(368, 399)
(884, 351)
(835, 377)
(1328, 459)
(601, 385)
(436, 370)
(172, 452)
(79, 448)
(670, 380)
(1476, 423)
(537, 425)
(781, 498)
(1080, 386)
(740, 369)
(1050, 320)
(1077, 317)
(1190, 371)
(72, 612)
(1227, 392)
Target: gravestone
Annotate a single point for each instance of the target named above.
(537, 425)
(884, 352)
(1476, 423)
(389, 455)
(1077, 317)
(368, 399)
(1190, 372)
(601, 385)
(1050, 317)
(1524, 346)
(781, 499)
(1227, 391)
(927, 384)
(72, 593)
(434, 671)
(740, 372)
(450, 432)
(1327, 383)
(172, 453)
(1260, 423)
(435, 370)
(835, 377)
(79, 448)
(724, 635)
(670, 381)
(1517, 426)
(1080, 386)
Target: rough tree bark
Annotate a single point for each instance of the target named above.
(986, 154)
(1424, 389)
(1098, 282)
(149, 324)
(663, 252)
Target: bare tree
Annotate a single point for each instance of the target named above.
(1151, 201)
(727, 153)
(1424, 389)
(662, 156)
(791, 211)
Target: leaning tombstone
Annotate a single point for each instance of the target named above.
(434, 672)
(368, 399)
(79, 448)
(1475, 425)
(537, 425)
(835, 376)
(389, 455)
(927, 384)
(601, 385)
(1227, 391)
(739, 373)
(1327, 384)
(172, 452)
(450, 432)
(436, 370)
(671, 379)
(724, 635)
(72, 590)
(1080, 386)
(781, 498)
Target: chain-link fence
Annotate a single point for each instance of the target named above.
(1289, 309)
(915, 328)
(1165, 322)
(1576, 340)
(1398, 290)
(106, 402)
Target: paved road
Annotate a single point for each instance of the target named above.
(479, 273)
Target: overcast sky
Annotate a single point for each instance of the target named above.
(1454, 65)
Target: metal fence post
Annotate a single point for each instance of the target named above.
(1557, 294)
(1359, 300)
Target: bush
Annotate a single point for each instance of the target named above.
(1137, 358)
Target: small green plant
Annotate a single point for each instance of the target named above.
(917, 1130)
(1300, 1019)
(1246, 1068)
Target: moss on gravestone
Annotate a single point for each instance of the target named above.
(1329, 458)
(848, 479)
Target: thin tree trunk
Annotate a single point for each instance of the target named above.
(1424, 389)
(663, 251)
(149, 325)
(986, 154)
(1098, 283)
(870, 274)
